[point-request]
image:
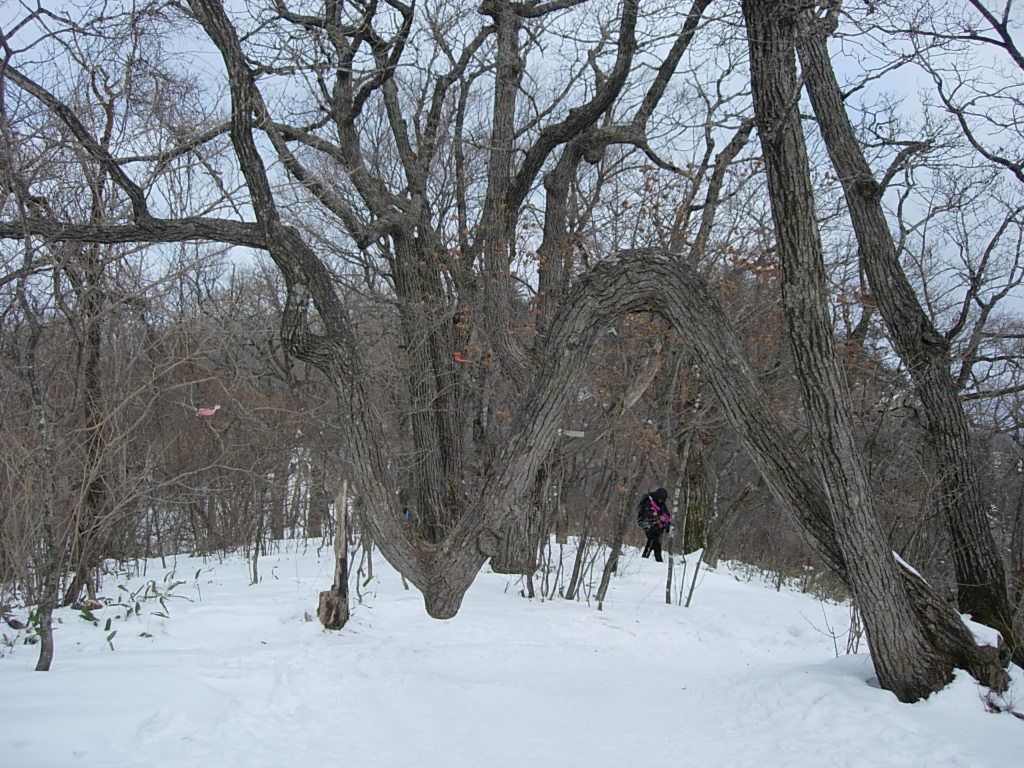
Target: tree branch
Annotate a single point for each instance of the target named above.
(152, 231)
(579, 118)
(84, 137)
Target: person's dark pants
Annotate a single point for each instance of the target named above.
(653, 544)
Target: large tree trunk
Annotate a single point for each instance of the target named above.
(904, 659)
(980, 572)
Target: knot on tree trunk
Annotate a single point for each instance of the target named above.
(488, 542)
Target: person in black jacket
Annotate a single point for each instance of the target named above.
(654, 517)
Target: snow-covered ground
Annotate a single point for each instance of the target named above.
(241, 675)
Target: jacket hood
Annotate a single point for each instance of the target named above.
(659, 495)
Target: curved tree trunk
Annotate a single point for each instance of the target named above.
(980, 572)
(635, 281)
(905, 657)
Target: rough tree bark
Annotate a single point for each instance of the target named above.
(636, 280)
(904, 656)
(980, 572)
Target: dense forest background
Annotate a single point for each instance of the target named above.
(421, 258)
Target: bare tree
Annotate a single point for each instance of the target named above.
(904, 649)
(451, 292)
(980, 573)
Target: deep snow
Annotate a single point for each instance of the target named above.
(238, 675)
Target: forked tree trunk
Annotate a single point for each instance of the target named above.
(980, 572)
(634, 281)
(905, 659)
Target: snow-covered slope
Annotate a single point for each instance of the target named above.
(242, 675)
